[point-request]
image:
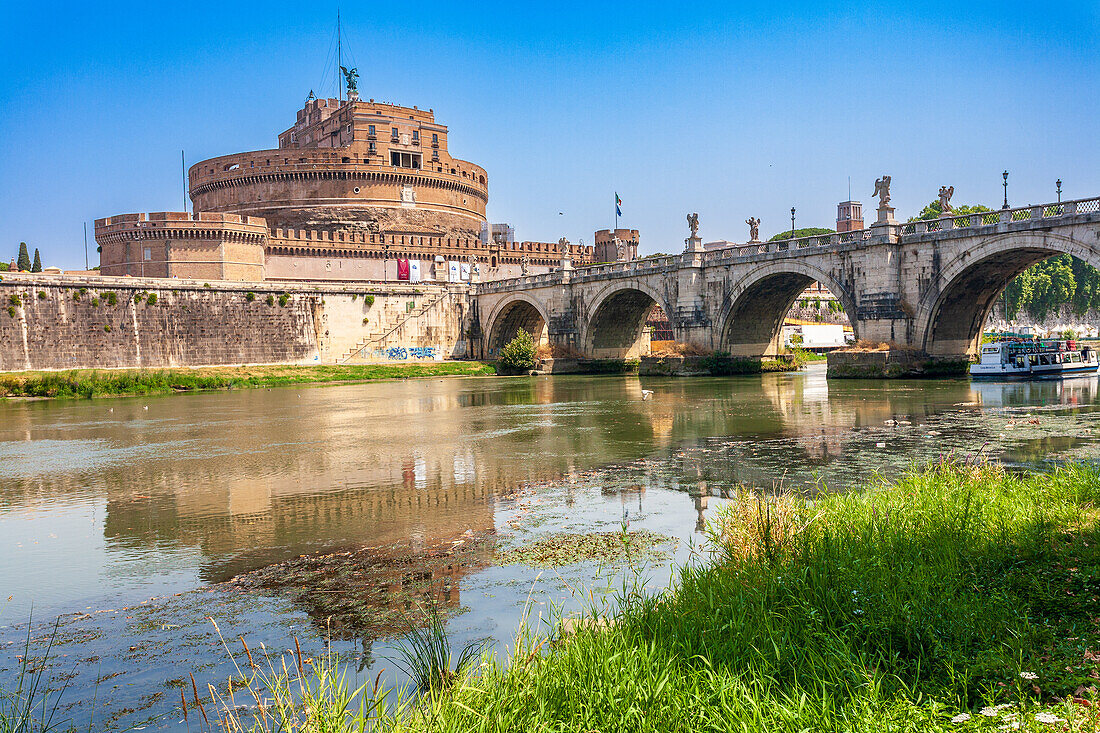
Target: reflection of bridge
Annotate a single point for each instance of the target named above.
(928, 285)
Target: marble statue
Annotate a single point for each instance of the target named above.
(946, 192)
(693, 224)
(754, 228)
(525, 265)
(882, 190)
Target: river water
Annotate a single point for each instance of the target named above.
(126, 521)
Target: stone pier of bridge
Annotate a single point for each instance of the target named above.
(924, 288)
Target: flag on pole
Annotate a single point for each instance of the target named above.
(618, 205)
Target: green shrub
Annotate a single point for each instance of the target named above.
(271, 300)
(95, 302)
(15, 299)
(250, 296)
(369, 300)
(11, 311)
(138, 297)
(107, 327)
(354, 296)
(283, 300)
(206, 285)
(41, 294)
(364, 321)
(112, 298)
(519, 354)
(151, 299)
(76, 295)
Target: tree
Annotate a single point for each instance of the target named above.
(807, 232)
(24, 261)
(519, 354)
(933, 211)
(37, 266)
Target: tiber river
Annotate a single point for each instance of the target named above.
(132, 522)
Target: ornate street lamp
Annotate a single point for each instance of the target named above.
(792, 222)
(1058, 183)
(1005, 174)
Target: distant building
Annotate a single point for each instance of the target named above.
(609, 243)
(849, 216)
(719, 244)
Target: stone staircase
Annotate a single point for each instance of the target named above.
(366, 346)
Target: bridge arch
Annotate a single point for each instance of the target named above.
(750, 322)
(509, 316)
(616, 319)
(954, 308)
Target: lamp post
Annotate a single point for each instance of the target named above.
(385, 263)
(1005, 174)
(792, 222)
(1058, 183)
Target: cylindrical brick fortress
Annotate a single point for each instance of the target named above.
(351, 166)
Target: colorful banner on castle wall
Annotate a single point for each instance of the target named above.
(402, 269)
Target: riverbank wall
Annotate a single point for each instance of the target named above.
(52, 322)
(890, 364)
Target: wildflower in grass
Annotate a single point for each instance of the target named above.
(1029, 676)
(961, 718)
(1049, 718)
(995, 711)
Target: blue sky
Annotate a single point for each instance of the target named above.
(728, 109)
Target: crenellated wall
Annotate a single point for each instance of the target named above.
(68, 322)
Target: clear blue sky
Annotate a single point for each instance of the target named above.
(728, 109)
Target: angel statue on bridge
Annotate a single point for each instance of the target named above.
(754, 228)
(882, 190)
(946, 192)
(693, 224)
(351, 77)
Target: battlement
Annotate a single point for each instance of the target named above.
(397, 242)
(180, 220)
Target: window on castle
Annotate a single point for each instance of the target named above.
(416, 136)
(393, 133)
(147, 254)
(405, 160)
(370, 130)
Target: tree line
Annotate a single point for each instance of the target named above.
(23, 262)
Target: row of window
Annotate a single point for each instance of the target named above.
(395, 135)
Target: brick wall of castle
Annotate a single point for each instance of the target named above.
(58, 322)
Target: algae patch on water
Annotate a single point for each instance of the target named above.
(608, 548)
(374, 592)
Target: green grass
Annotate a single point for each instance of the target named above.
(895, 608)
(805, 355)
(101, 383)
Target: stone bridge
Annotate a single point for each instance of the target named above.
(926, 285)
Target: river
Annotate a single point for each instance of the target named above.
(126, 521)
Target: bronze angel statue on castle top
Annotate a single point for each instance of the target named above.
(351, 77)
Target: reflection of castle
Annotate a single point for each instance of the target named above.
(354, 187)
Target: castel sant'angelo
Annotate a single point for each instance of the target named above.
(356, 190)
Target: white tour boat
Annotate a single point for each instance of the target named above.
(1027, 359)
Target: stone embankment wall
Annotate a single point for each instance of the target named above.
(60, 322)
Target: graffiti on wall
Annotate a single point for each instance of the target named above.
(402, 353)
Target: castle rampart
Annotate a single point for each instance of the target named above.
(166, 244)
(70, 322)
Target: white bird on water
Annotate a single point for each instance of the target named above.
(646, 394)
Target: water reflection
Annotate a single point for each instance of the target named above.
(203, 487)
